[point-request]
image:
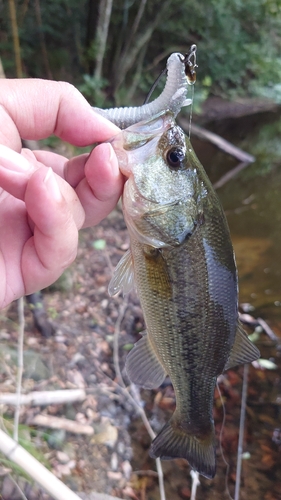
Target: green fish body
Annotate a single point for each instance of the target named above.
(182, 263)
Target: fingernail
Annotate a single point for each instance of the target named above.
(52, 185)
(111, 153)
(110, 157)
(11, 160)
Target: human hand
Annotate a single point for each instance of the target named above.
(45, 198)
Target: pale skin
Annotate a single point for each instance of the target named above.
(44, 197)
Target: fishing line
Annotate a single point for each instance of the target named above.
(241, 431)
(191, 110)
(220, 440)
(163, 72)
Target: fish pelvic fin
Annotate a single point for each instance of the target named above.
(243, 350)
(143, 366)
(175, 442)
(123, 275)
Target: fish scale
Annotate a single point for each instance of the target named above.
(182, 263)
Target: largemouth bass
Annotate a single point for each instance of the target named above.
(182, 264)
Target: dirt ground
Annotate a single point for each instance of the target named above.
(79, 354)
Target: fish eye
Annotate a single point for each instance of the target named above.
(175, 157)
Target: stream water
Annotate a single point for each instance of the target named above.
(252, 202)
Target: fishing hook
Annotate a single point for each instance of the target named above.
(189, 60)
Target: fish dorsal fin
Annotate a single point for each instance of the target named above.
(243, 350)
(142, 365)
(123, 275)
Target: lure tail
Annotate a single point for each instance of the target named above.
(175, 442)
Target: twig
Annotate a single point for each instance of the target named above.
(221, 448)
(35, 469)
(61, 423)
(195, 483)
(241, 432)
(229, 175)
(20, 366)
(122, 310)
(97, 496)
(135, 399)
(160, 479)
(15, 453)
(43, 398)
(145, 473)
(18, 488)
(137, 405)
(268, 330)
(221, 143)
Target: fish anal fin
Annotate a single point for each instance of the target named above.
(142, 365)
(123, 275)
(174, 442)
(243, 350)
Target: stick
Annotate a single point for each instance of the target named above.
(221, 143)
(42, 398)
(241, 432)
(61, 423)
(268, 330)
(228, 176)
(136, 404)
(37, 471)
(20, 366)
(195, 483)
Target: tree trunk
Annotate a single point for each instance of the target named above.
(135, 25)
(137, 76)
(42, 40)
(2, 72)
(105, 8)
(16, 40)
(92, 21)
(131, 52)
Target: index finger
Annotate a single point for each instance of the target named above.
(35, 109)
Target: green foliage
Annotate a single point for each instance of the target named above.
(92, 88)
(26, 434)
(239, 45)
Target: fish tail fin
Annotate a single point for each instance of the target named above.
(175, 442)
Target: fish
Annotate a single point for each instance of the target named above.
(182, 264)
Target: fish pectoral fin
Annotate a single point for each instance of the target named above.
(174, 442)
(243, 350)
(142, 365)
(123, 275)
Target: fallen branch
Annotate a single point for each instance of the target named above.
(20, 366)
(221, 143)
(266, 328)
(195, 483)
(250, 320)
(61, 423)
(44, 398)
(37, 471)
(97, 496)
(56, 488)
(241, 432)
(40, 316)
(226, 177)
(134, 398)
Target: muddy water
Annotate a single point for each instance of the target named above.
(252, 201)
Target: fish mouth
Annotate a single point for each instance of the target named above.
(129, 143)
